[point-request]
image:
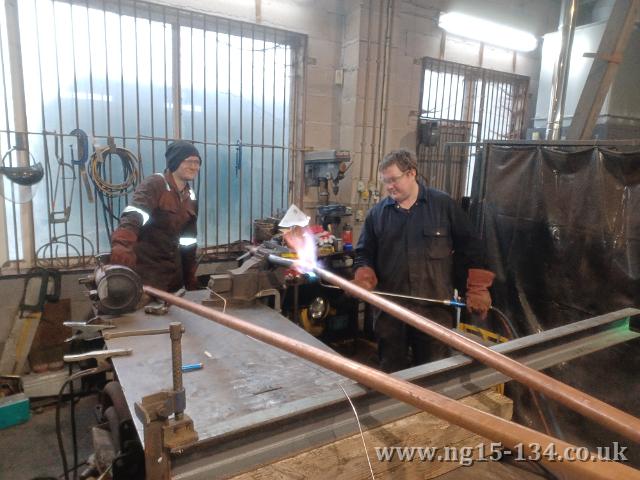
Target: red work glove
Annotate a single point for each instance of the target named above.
(365, 277)
(122, 242)
(478, 298)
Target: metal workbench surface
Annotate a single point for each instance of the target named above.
(244, 381)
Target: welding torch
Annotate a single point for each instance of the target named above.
(449, 303)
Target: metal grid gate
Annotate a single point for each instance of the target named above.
(138, 75)
(465, 104)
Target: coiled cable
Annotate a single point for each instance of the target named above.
(107, 191)
(98, 172)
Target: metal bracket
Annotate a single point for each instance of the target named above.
(160, 406)
(163, 435)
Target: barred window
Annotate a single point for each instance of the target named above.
(137, 75)
(469, 105)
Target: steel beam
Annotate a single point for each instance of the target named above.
(456, 377)
(615, 38)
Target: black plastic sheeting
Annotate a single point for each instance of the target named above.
(561, 226)
(562, 231)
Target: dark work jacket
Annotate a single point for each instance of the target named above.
(412, 251)
(166, 246)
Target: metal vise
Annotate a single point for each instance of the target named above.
(254, 278)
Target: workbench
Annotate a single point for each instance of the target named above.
(243, 381)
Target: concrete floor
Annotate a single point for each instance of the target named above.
(30, 450)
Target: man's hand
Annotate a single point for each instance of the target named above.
(365, 277)
(478, 298)
(122, 242)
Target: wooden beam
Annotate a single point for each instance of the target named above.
(345, 458)
(615, 38)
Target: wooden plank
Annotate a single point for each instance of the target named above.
(615, 38)
(345, 459)
(49, 343)
(18, 344)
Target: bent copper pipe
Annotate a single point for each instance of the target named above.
(509, 434)
(597, 410)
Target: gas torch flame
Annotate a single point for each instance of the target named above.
(303, 242)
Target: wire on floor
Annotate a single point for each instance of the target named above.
(364, 444)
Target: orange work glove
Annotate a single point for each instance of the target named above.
(122, 242)
(365, 277)
(478, 298)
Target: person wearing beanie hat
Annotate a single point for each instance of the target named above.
(158, 229)
(179, 151)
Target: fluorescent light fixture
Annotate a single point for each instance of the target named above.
(487, 32)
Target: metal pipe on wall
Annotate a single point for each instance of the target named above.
(365, 100)
(386, 78)
(376, 90)
(597, 410)
(22, 139)
(566, 28)
(509, 434)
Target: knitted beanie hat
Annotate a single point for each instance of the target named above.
(179, 151)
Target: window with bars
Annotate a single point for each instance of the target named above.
(138, 75)
(466, 105)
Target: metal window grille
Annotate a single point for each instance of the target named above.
(138, 75)
(465, 105)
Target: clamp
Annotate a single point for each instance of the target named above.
(163, 435)
(136, 333)
(89, 330)
(101, 356)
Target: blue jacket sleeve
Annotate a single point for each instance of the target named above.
(468, 248)
(366, 249)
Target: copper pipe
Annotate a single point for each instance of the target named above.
(597, 410)
(510, 435)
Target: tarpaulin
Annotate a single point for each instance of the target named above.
(561, 227)
(562, 231)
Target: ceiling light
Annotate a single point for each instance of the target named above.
(487, 32)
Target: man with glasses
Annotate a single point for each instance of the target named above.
(408, 245)
(158, 229)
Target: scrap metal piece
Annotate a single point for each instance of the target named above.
(161, 309)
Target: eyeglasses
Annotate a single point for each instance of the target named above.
(393, 180)
(192, 162)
